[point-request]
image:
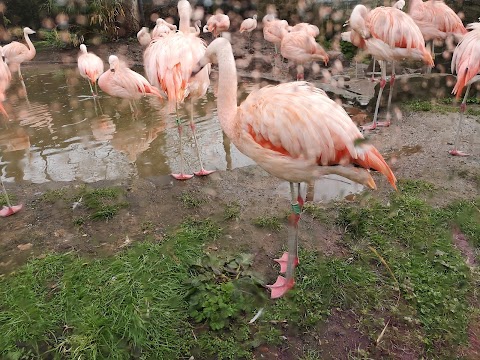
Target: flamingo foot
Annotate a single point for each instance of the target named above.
(372, 126)
(283, 262)
(203, 172)
(280, 287)
(383, 123)
(456, 152)
(182, 176)
(10, 210)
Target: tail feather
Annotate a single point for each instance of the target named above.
(370, 158)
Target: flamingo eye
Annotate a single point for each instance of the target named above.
(112, 70)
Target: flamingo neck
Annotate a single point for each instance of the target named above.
(227, 89)
(31, 48)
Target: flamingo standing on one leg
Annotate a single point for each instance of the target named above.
(295, 132)
(5, 79)
(273, 31)
(17, 53)
(120, 81)
(388, 34)
(248, 25)
(168, 63)
(300, 48)
(466, 63)
(90, 67)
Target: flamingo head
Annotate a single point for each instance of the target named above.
(357, 20)
(113, 61)
(28, 31)
(83, 48)
(255, 17)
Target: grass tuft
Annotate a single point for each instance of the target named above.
(268, 222)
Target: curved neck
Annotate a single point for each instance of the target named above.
(31, 48)
(227, 88)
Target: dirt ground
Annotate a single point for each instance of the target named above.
(415, 145)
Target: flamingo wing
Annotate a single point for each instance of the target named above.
(15, 52)
(466, 58)
(316, 130)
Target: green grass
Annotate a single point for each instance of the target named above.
(191, 200)
(103, 203)
(443, 106)
(232, 211)
(166, 300)
(11, 197)
(268, 222)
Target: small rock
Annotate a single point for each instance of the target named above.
(26, 246)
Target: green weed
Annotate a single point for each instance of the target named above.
(191, 200)
(268, 222)
(3, 199)
(52, 196)
(232, 211)
(104, 202)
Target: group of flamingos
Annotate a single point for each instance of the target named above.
(293, 130)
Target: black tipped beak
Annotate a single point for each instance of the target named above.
(112, 70)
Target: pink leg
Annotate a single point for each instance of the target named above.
(202, 171)
(289, 260)
(181, 175)
(383, 82)
(392, 82)
(463, 107)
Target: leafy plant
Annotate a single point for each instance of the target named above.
(268, 222)
(222, 289)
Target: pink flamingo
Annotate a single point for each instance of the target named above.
(388, 34)
(248, 25)
(168, 63)
(466, 63)
(311, 30)
(436, 21)
(162, 28)
(300, 47)
(90, 67)
(122, 82)
(144, 37)
(16, 52)
(5, 79)
(216, 24)
(295, 132)
(274, 30)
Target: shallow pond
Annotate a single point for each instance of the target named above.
(58, 132)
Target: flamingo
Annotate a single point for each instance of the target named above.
(274, 30)
(295, 132)
(90, 67)
(5, 79)
(16, 52)
(144, 37)
(388, 34)
(216, 24)
(248, 25)
(300, 47)
(195, 29)
(312, 30)
(162, 28)
(466, 63)
(168, 63)
(436, 20)
(122, 82)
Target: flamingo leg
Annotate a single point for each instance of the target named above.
(300, 73)
(9, 209)
(429, 69)
(202, 171)
(373, 71)
(20, 74)
(289, 260)
(383, 81)
(91, 88)
(392, 82)
(181, 175)
(463, 107)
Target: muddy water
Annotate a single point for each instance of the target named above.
(58, 132)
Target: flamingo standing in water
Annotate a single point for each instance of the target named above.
(168, 63)
(122, 82)
(466, 63)
(17, 53)
(388, 34)
(274, 29)
(5, 79)
(295, 132)
(90, 67)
